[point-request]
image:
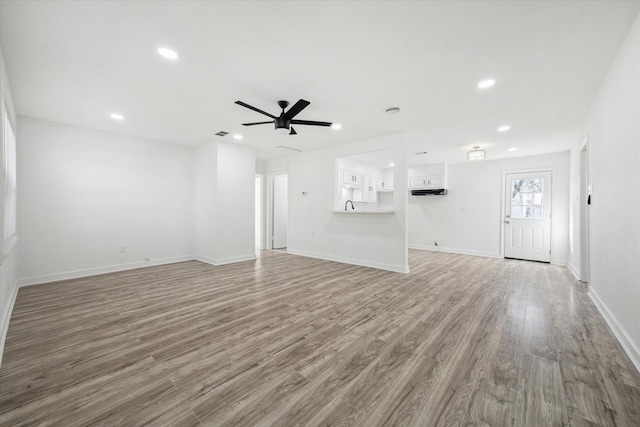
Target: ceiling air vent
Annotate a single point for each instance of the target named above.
(222, 133)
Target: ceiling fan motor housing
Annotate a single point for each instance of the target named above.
(282, 123)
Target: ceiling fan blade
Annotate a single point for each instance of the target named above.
(293, 131)
(257, 123)
(293, 111)
(310, 123)
(255, 109)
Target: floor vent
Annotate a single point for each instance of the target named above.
(222, 133)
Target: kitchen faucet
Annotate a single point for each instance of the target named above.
(345, 205)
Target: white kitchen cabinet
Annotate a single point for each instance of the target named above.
(426, 182)
(351, 179)
(386, 185)
(368, 192)
(370, 189)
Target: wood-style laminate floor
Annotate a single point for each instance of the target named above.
(288, 340)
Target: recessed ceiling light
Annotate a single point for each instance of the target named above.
(237, 136)
(392, 164)
(116, 116)
(336, 126)
(392, 110)
(504, 128)
(484, 84)
(167, 53)
(512, 149)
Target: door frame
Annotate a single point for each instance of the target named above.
(503, 207)
(262, 204)
(583, 212)
(269, 207)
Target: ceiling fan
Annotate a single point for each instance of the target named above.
(286, 119)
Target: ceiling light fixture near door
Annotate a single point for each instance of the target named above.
(504, 128)
(116, 116)
(168, 54)
(392, 110)
(476, 153)
(237, 136)
(485, 84)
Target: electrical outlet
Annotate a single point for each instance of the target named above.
(123, 249)
(313, 234)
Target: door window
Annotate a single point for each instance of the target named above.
(527, 198)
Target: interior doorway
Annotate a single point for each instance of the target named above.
(527, 218)
(279, 217)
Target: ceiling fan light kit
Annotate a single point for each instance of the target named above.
(283, 122)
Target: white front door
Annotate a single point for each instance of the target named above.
(527, 231)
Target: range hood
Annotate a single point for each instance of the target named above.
(430, 192)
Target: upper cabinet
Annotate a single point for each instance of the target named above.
(370, 189)
(426, 182)
(428, 177)
(351, 179)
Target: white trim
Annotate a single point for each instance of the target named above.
(455, 251)
(56, 277)
(4, 327)
(585, 264)
(225, 261)
(352, 261)
(8, 246)
(625, 341)
(270, 176)
(574, 271)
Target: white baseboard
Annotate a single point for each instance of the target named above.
(625, 341)
(352, 261)
(6, 318)
(56, 277)
(574, 271)
(225, 261)
(455, 251)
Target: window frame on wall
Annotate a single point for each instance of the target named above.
(9, 187)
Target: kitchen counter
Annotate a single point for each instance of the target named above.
(355, 212)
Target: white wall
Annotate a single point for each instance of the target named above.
(613, 129)
(236, 203)
(84, 194)
(225, 203)
(469, 218)
(9, 261)
(375, 240)
(206, 184)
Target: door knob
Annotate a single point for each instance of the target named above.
(506, 222)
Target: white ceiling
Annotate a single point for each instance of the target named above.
(76, 62)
